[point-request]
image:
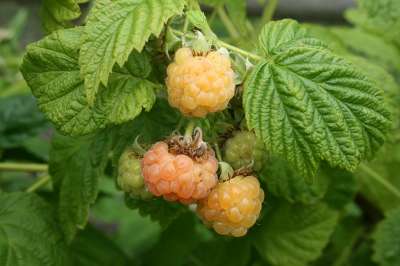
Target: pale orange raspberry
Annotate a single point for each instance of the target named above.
(233, 206)
(198, 85)
(177, 177)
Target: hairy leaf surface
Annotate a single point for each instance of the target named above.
(114, 29)
(308, 104)
(58, 14)
(52, 71)
(294, 234)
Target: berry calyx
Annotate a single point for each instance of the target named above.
(233, 206)
(244, 150)
(200, 83)
(130, 178)
(180, 169)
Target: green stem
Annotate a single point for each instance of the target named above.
(380, 179)
(137, 147)
(189, 129)
(218, 152)
(24, 167)
(212, 16)
(39, 183)
(240, 51)
(227, 46)
(269, 11)
(227, 23)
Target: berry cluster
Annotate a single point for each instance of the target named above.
(200, 84)
(184, 168)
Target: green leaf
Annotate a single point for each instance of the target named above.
(19, 120)
(383, 79)
(387, 241)
(379, 17)
(176, 243)
(362, 255)
(199, 20)
(151, 126)
(92, 248)
(114, 29)
(125, 98)
(220, 251)
(344, 240)
(283, 181)
(385, 167)
(58, 14)
(75, 166)
(308, 104)
(29, 234)
(369, 45)
(51, 69)
(294, 234)
(341, 189)
(237, 11)
(157, 209)
(111, 211)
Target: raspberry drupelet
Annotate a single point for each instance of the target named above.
(180, 169)
(233, 206)
(200, 84)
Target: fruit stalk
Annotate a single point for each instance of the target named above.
(41, 181)
(23, 167)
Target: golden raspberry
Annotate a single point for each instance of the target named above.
(178, 176)
(233, 206)
(198, 85)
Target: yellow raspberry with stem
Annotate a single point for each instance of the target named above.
(200, 84)
(233, 206)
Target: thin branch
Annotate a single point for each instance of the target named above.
(380, 179)
(41, 181)
(227, 23)
(23, 167)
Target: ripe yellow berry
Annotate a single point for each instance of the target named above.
(233, 206)
(198, 85)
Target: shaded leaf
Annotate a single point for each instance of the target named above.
(25, 222)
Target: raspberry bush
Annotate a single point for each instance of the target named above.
(183, 132)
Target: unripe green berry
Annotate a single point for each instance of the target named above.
(243, 150)
(130, 178)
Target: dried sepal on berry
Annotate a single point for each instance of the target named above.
(233, 206)
(180, 169)
(130, 178)
(199, 83)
